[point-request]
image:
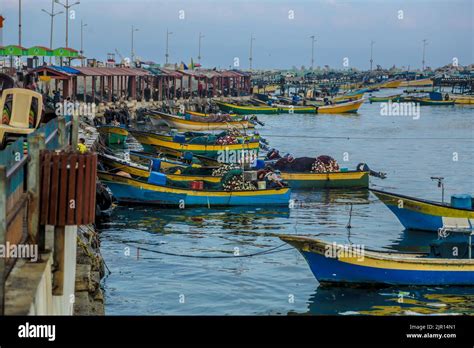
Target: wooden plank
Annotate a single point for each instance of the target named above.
(54, 187)
(80, 190)
(71, 197)
(62, 208)
(45, 183)
(87, 191)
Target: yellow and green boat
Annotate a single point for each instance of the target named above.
(114, 135)
(173, 121)
(153, 141)
(428, 101)
(247, 109)
(295, 109)
(348, 179)
(348, 107)
(395, 97)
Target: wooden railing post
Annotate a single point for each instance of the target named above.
(36, 144)
(75, 131)
(58, 259)
(3, 232)
(62, 133)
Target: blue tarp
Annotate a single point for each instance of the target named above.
(65, 69)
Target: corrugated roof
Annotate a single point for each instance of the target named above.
(112, 71)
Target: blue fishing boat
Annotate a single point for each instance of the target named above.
(156, 191)
(420, 214)
(350, 265)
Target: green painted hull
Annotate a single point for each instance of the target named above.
(248, 111)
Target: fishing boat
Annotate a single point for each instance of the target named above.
(349, 107)
(247, 109)
(462, 99)
(177, 149)
(113, 134)
(295, 109)
(172, 121)
(114, 165)
(352, 265)
(417, 83)
(347, 179)
(395, 97)
(130, 190)
(391, 84)
(428, 101)
(420, 214)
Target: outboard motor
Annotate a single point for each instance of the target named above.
(363, 167)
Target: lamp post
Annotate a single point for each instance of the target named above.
(52, 14)
(313, 40)
(67, 6)
(19, 23)
(371, 53)
(199, 52)
(168, 33)
(132, 52)
(425, 42)
(252, 39)
(82, 42)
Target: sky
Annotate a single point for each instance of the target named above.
(282, 30)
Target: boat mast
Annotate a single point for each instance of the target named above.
(312, 37)
(252, 39)
(371, 53)
(423, 61)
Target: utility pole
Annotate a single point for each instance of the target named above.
(252, 39)
(199, 52)
(312, 37)
(19, 23)
(168, 33)
(82, 42)
(52, 14)
(67, 7)
(132, 52)
(423, 61)
(371, 54)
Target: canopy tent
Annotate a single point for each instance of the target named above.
(39, 51)
(14, 50)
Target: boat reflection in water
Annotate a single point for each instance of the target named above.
(391, 301)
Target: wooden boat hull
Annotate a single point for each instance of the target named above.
(127, 190)
(138, 171)
(391, 84)
(246, 110)
(194, 113)
(425, 102)
(416, 214)
(113, 134)
(380, 268)
(462, 100)
(349, 107)
(171, 121)
(417, 83)
(291, 109)
(352, 179)
(177, 149)
(385, 99)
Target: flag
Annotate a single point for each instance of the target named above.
(1, 21)
(192, 64)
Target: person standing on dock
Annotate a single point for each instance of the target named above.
(81, 147)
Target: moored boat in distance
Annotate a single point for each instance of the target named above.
(172, 121)
(395, 97)
(246, 109)
(343, 108)
(295, 109)
(428, 101)
(336, 264)
(420, 214)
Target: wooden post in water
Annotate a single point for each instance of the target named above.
(75, 131)
(62, 132)
(36, 144)
(58, 258)
(3, 232)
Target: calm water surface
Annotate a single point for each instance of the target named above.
(409, 151)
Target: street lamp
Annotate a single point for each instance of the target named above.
(371, 53)
(199, 52)
(82, 42)
(168, 33)
(67, 7)
(132, 53)
(313, 40)
(252, 39)
(425, 42)
(52, 14)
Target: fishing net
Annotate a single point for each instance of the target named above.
(325, 164)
